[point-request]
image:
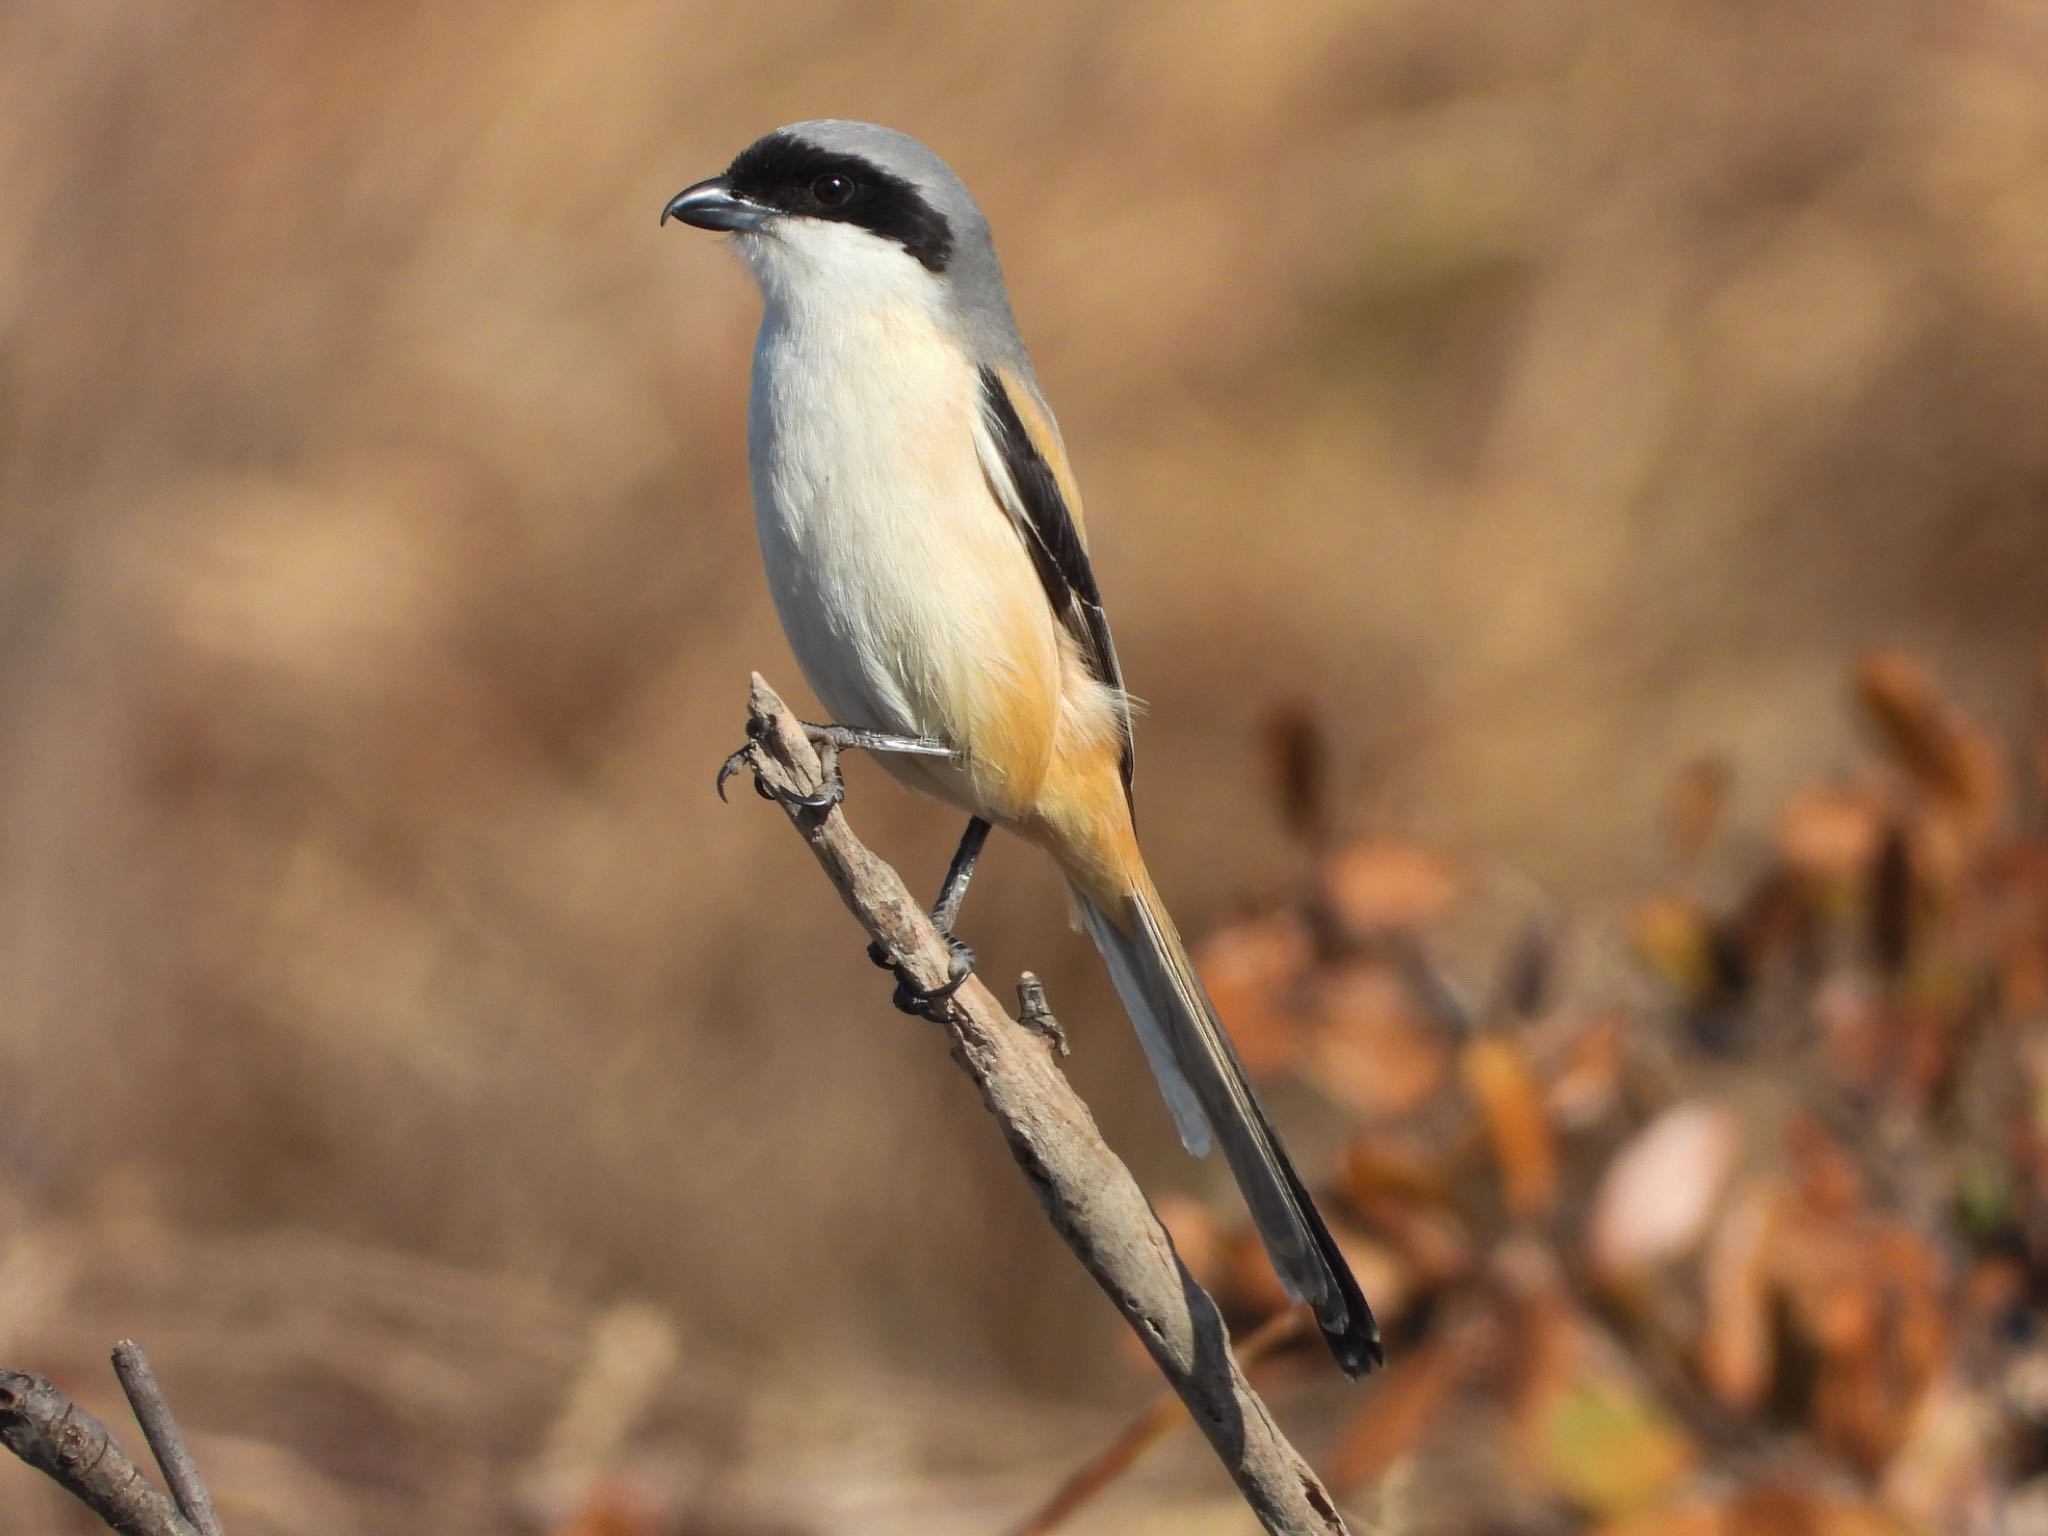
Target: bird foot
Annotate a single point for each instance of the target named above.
(924, 1002)
(830, 741)
(823, 799)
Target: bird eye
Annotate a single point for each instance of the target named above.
(832, 190)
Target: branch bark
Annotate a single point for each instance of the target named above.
(1088, 1194)
(54, 1435)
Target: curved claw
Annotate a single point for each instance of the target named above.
(823, 800)
(733, 765)
(833, 792)
(924, 1001)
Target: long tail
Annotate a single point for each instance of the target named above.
(1206, 1088)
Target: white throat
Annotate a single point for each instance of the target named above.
(813, 265)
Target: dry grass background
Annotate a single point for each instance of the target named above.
(1549, 392)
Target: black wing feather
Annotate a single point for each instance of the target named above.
(1057, 551)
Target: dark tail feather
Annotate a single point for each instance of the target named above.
(1354, 1339)
(1205, 1086)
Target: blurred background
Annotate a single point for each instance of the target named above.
(1571, 482)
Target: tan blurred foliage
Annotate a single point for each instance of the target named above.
(1774, 1257)
(1551, 399)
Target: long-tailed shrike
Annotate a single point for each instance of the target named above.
(923, 539)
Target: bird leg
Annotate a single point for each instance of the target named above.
(953, 889)
(830, 741)
(945, 913)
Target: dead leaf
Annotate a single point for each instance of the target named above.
(1867, 1295)
(1654, 1203)
(1585, 1085)
(1377, 884)
(1831, 836)
(1401, 1166)
(1253, 971)
(1950, 759)
(1736, 1353)
(1605, 1444)
(1496, 1073)
(1374, 1046)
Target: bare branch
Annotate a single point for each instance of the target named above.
(1087, 1192)
(1151, 1424)
(166, 1440)
(54, 1435)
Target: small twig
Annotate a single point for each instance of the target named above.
(55, 1436)
(1035, 1013)
(166, 1441)
(1087, 1192)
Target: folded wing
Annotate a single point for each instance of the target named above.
(1027, 469)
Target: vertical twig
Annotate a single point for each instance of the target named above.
(166, 1441)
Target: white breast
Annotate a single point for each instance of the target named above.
(894, 571)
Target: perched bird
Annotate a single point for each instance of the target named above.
(923, 540)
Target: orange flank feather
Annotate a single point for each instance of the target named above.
(1084, 821)
(1043, 761)
(1080, 813)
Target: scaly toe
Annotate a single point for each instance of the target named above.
(923, 1001)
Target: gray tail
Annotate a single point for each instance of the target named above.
(1206, 1088)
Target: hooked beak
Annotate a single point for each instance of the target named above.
(714, 205)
